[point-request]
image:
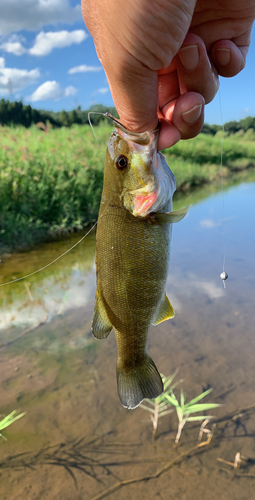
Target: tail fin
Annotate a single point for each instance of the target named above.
(139, 383)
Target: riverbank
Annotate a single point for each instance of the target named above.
(51, 181)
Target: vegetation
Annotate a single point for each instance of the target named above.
(50, 183)
(8, 420)
(184, 410)
(17, 113)
(159, 407)
(51, 177)
(167, 402)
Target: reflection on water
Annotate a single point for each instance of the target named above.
(67, 284)
(70, 282)
(65, 380)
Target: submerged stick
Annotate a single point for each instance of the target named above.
(156, 474)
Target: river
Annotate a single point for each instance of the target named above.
(76, 440)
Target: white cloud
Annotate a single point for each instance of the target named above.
(103, 90)
(32, 15)
(210, 224)
(84, 69)
(46, 42)
(13, 48)
(209, 288)
(190, 284)
(14, 79)
(51, 90)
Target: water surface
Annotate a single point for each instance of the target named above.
(53, 369)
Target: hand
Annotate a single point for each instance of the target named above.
(162, 58)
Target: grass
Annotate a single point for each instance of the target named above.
(184, 410)
(159, 407)
(167, 403)
(51, 183)
(8, 420)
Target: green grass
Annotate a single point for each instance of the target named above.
(8, 420)
(167, 401)
(51, 183)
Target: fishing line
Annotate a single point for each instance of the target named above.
(50, 263)
(223, 275)
(77, 243)
(107, 115)
(92, 128)
(60, 256)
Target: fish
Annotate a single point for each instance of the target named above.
(132, 256)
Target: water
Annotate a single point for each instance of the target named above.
(64, 379)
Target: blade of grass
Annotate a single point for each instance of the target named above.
(201, 407)
(9, 419)
(201, 396)
(199, 417)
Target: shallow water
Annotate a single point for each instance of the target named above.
(76, 440)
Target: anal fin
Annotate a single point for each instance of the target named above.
(165, 311)
(101, 325)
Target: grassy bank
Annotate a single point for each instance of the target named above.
(50, 183)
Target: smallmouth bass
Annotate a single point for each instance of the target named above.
(132, 256)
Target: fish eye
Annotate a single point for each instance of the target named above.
(121, 162)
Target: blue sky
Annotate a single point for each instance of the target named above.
(48, 59)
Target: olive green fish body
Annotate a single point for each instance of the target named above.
(132, 259)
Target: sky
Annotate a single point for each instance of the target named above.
(48, 59)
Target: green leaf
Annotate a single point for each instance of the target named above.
(172, 399)
(165, 413)
(146, 408)
(168, 380)
(179, 413)
(199, 417)
(150, 402)
(182, 398)
(163, 406)
(200, 407)
(201, 396)
(9, 419)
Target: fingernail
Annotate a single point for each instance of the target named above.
(189, 57)
(192, 115)
(223, 56)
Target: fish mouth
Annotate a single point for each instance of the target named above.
(143, 203)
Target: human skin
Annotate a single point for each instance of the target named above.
(162, 58)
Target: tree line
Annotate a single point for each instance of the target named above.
(14, 113)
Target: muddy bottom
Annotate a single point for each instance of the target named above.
(76, 440)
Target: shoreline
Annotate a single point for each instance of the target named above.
(204, 188)
(51, 183)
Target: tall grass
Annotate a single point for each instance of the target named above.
(51, 183)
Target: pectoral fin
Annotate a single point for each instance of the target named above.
(170, 217)
(164, 312)
(101, 325)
